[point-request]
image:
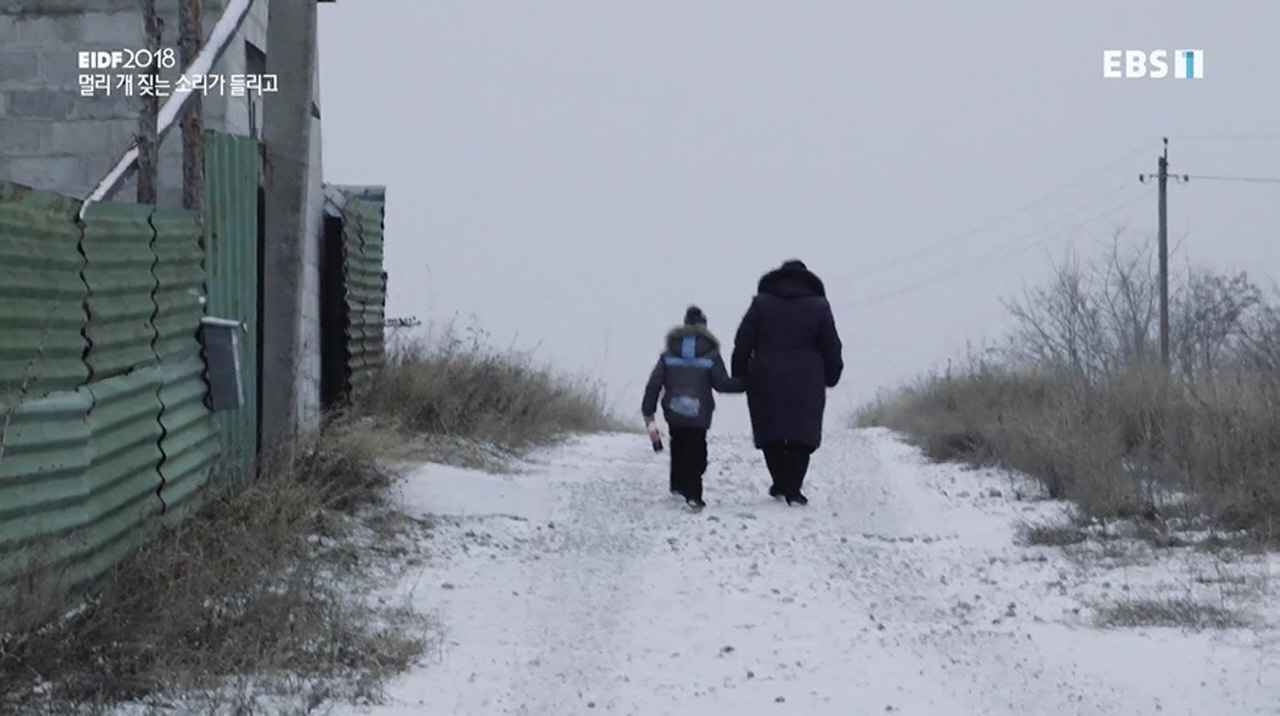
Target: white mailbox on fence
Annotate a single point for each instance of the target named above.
(221, 339)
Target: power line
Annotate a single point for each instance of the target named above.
(1227, 137)
(996, 221)
(981, 259)
(1261, 180)
(1047, 225)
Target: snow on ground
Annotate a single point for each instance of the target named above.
(582, 587)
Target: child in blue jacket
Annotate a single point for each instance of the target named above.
(687, 375)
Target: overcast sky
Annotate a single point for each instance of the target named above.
(573, 174)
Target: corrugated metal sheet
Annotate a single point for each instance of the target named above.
(179, 273)
(41, 294)
(80, 486)
(352, 269)
(373, 284)
(117, 246)
(190, 443)
(85, 472)
(362, 211)
(123, 480)
(336, 196)
(46, 455)
(231, 265)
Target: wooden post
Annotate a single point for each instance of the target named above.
(146, 138)
(191, 37)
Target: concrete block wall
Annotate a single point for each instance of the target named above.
(52, 137)
(308, 377)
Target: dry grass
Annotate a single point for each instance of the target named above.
(1121, 446)
(1051, 535)
(1173, 613)
(249, 587)
(1074, 400)
(459, 388)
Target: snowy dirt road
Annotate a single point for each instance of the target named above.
(581, 587)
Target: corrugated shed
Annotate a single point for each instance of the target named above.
(41, 294)
(117, 246)
(362, 210)
(43, 462)
(364, 289)
(231, 266)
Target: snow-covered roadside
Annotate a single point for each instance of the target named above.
(581, 587)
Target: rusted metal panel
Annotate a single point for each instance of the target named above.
(45, 455)
(119, 265)
(190, 444)
(179, 273)
(42, 294)
(231, 275)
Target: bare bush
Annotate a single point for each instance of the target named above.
(1082, 404)
(1209, 320)
(1102, 317)
(458, 386)
(1090, 319)
(1260, 347)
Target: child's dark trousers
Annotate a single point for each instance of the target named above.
(688, 461)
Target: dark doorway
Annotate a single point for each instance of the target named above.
(334, 380)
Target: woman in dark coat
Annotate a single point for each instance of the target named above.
(789, 352)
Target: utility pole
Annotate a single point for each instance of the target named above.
(1162, 182)
(1162, 179)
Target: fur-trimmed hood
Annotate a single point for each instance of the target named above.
(791, 280)
(676, 335)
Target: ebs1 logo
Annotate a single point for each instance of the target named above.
(1137, 64)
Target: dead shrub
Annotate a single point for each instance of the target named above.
(461, 388)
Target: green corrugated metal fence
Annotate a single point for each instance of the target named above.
(42, 294)
(119, 271)
(43, 468)
(121, 483)
(103, 422)
(231, 264)
(190, 434)
(114, 428)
